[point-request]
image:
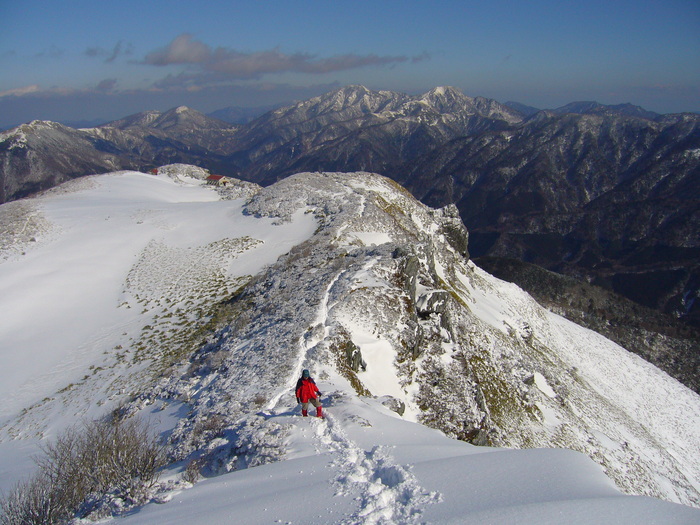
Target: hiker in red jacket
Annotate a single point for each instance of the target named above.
(307, 392)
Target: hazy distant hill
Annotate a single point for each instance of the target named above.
(237, 115)
(42, 154)
(594, 108)
(526, 110)
(183, 125)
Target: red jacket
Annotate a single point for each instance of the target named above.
(306, 389)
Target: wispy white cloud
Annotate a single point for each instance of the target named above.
(21, 91)
(182, 50)
(208, 64)
(36, 91)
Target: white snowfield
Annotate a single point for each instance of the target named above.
(365, 465)
(70, 297)
(101, 278)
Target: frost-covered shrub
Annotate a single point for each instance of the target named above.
(113, 456)
(251, 442)
(32, 501)
(192, 470)
(209, 427)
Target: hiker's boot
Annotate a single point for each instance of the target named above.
(305, 413)
(319, 412)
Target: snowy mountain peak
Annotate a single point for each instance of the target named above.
(448, 100)
(179, 116)
(183, 113)
(442, 90)
(42, 124)
(445, 98)
(142, 119)
(446, 93)
(37, 131)
(354, 90)
(348, 96)
(38, 126)
(353, 98)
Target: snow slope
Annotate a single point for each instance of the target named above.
(365, 465)
(111, 266)
(151, 294)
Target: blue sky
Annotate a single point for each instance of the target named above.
(82, 60)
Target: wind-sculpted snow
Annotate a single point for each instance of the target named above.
(20, 225)
(165, 274)
(347, 275)
(364, 466)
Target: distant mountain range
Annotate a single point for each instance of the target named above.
(607, 194)
(590, 108)
(238, 115)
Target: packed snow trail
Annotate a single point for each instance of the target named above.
(311, 338)
(387, 491)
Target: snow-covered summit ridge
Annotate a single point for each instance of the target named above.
(384, 295)
(356, 101)
(19, 133)
(349, 276)
(181, 116)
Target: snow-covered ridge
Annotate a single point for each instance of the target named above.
(19, 138)
(206, 311)
(19, 134)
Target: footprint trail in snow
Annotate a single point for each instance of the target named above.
(386, 491)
